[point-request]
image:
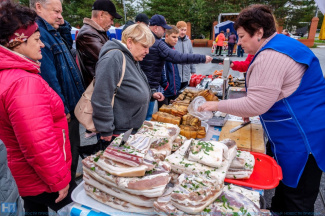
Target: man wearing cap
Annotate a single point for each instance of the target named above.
(59, 69)
(142, 18)
(160, 52)
(92, 36)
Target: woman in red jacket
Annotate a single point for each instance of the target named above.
(33, 125)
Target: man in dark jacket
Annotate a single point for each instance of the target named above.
(92, 36)
(59, 68)
(160, 52)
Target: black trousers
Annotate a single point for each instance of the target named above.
(38, 205)
(74, 137)
(220, 49)
(230, 48)
(300, 200)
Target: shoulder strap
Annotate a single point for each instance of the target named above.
(122, 76)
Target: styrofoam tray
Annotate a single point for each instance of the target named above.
(79, 196)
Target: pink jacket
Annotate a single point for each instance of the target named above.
(33, 127)
(221, 39)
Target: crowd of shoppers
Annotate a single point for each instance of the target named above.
(42, 80)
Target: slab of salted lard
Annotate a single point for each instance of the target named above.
(138, 200)
(210, 153)
(254, 196)
(164, 135)
(151, 185)
(164, 206)
(193, 193)
(178, 142)
(180, 164)
(242, 166)
(114, 202)
(230, 202)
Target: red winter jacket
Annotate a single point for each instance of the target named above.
(33, 127)
(242, 66)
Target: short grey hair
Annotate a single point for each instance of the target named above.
(94, 13)
(32, 3)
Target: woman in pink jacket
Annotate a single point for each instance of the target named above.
(221, 38)
(33, 125)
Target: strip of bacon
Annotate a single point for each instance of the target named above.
(123, 157)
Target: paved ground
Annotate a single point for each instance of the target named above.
(207, 69)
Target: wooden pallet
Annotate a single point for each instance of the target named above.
(248, 138)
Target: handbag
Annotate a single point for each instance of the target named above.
(84, 110)
(217, 39)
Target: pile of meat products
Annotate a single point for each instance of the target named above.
(130, 177)
(200, 186)
(177, 114)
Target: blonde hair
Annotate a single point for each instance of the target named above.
(173, 30)
(138, 33)
(181, 24)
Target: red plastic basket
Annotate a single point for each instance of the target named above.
(266, 174)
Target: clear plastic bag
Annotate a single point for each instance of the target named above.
(193, 109)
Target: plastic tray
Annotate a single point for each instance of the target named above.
(79, 196)
(266, 174)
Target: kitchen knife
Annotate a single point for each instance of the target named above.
(239, 126)
(126, 136)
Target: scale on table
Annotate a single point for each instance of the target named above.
(219, 119)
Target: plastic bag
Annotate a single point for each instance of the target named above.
(194, 105)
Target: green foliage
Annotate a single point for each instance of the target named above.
(201, 13)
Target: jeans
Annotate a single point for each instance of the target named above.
(150, 110)
(75, 145)
(240, 51)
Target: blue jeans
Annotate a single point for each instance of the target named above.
(150, 110)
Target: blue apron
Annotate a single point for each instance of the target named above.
(295, 125)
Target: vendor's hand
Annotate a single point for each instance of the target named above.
(158, 96)
(208, 59)
(231, 65)
(246, 119)
(209, 106)
(62, 194)
(107, 138)
(68, 116)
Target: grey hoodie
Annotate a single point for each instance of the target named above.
(185, 70)
(132, 98)
(8, 189)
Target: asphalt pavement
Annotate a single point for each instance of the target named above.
(207, 69)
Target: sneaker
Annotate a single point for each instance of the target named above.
(89, 135)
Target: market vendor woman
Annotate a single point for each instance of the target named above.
(286, 88)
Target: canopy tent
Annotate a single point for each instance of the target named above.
(223, 27)
(115, 32)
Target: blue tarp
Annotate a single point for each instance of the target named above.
(223, 27)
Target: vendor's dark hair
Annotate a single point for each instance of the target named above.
(12, 17)
(255, 17)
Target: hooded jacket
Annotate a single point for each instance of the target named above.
(132, 98)
(8, 188)
(91, 38)
(184, 45)
(33, 127)
(153, 63)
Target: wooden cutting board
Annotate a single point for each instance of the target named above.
(248, 138)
